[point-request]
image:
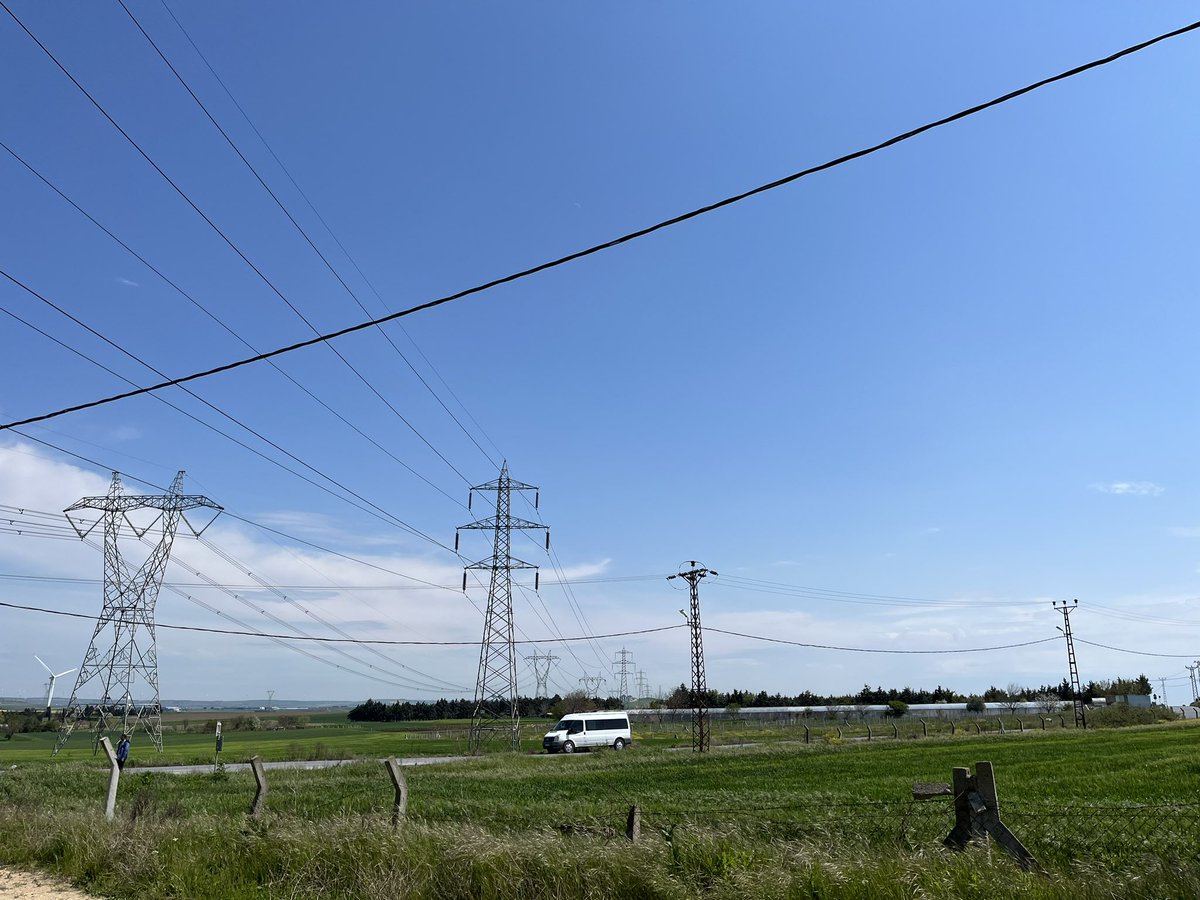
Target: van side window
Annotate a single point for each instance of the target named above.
(575, 728)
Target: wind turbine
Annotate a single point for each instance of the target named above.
(53, 679)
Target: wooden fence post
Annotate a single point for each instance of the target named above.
(114, 776)
(260, 796)
(868, 729)
(633, 825)
(806, 735)
(977, 814)
(895, 731)
(924, 728)
(400, 809)
(953, 730)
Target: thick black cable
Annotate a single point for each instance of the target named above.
(615, 242)
(771, 640)
(339, 640)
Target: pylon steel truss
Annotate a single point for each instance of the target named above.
(497, 715)
(699, 692)
(122, 649)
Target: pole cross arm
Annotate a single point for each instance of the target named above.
(491, 523)
(493, 563)
(977, 815)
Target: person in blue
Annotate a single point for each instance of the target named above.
(122, 751)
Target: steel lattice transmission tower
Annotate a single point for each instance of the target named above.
(1192, 675)
(122, 648)
(643, 686)
(694, 574)
(1076, 692)
(496, 710)
(541, 663)
(591, 685)
(623, 667)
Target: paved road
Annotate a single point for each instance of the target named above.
(296, 764)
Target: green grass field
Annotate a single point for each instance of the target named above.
(1108, 813)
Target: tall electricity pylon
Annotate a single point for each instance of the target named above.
(118, 655)
(623, 667)
(643, 686)
(541, 663)
(1192, 675)
(591, 685)
(1076, 691)
(693, 575)
(496, 711)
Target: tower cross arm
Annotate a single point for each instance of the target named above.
(491, 523)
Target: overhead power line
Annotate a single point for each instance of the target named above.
(1137, 652)
(342, 640)
(609, 244)
(224, 237)
(771, 640)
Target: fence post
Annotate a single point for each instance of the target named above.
(839, 731)
(977, 814)
(400, 810)
(895, 731)
(924, 728)
(868, 729)
(260, 777)
(1043, 721)
(978, 730)
(1001, 724)
(806, 734)
(1062, 721)
(114, 776)
(633, 825)
(1021, 725)
(953, 730)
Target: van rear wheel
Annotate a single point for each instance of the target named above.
(569, 747)
(619, 744)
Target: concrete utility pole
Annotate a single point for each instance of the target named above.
(698, 694)
(623, 668)
(122, 648)
(1076, 692)
(496, 711)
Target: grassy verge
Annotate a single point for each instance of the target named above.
(1100, 809)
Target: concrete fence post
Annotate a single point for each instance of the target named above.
(633, 824)
(977, 815)
(924, 728)
(953, 730)
(978, 730)
(1021, 726)
(1062, 721)
(895, 731)
(868, 729)
(114, 776)
(260, 796)
(839, 731)
(400, 809)
(1000, 724)
(806, 734)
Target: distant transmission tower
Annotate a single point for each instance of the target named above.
(1076, 692)
(118, 655)
(1192, 674)
(541, 663)
(591, 685)
(698, 695)
(496, 712)
(623, 667)
(643, 686)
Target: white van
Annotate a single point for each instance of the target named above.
(579, 731)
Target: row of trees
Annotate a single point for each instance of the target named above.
(680, 698)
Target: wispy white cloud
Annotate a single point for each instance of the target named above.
(1131, 488)
(127, 282)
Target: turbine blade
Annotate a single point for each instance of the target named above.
(44, 666)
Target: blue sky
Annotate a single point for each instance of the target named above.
(959, 371)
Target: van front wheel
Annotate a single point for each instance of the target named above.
(619, 744)
(569, 747)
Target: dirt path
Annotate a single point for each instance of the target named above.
(17, 885)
